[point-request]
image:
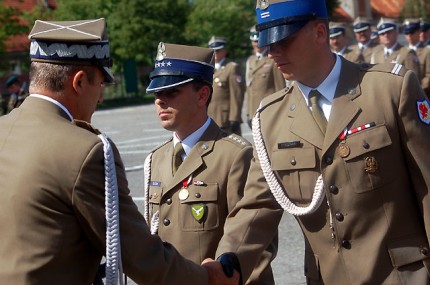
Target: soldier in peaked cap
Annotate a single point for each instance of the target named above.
(339, 43)
(197, 177)
(393, 51)
(17, 91)
(363, 35)
(227, 97)
(425, 31)
(411, 28)
(262, 76)
(342, 150)
(54, 226)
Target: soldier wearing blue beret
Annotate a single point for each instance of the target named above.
(345, 151)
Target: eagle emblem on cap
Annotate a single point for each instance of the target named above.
(161, 51)
(262, 4)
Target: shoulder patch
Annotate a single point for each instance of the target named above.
(393, 68)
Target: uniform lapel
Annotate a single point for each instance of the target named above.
(303, 124)
(195, 158)
(343, 108)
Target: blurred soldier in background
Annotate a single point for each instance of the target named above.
(425, 31)
(363, 35)
(17, 92)
(393, 51)
(262, 76)
(227, 98)
(411, 28)
(339, 43)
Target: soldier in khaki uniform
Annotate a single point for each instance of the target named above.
(17, 92)
(345, 150)
(227, 98)
(363, 35)
(262, 76)
(187, 204)
(339, 43)
(425, 31)
(411, 28)
(393, 51)
(60, 174)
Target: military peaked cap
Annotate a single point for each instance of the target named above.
(253, 34)
(217, 42)
(336, 29)
(385, 25)
(278, 19)
(361, 24)
(424, 25)
(411, 25)
(72, 42)
(11, 80)
(179, 64)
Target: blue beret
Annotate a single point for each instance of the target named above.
(279, 19)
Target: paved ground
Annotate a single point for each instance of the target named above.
(136, 130)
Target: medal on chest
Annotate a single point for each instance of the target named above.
(184, 193)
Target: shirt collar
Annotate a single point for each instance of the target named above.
(189, 142)
(219, 63)
(55, 102)
(328, 87)
(390, 50)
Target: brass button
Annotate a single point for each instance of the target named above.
(333, 189)
(339, 217)
(197, 195)
(166, 222)
(169, 201)
(293, 162)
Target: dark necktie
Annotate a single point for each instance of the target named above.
(177, 157)
(317, 113)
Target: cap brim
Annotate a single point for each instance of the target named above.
(160, 83)
(109, 78)
(277, 33)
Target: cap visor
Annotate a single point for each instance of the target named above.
(109, 78)
(160, 83)
(277, 33)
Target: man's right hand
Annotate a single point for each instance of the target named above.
(216, 274)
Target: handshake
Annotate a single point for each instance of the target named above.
(229, 264)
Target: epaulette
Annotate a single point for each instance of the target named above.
(87, 126)
(275, 97)
(393, 68)
(161, 145)
(237, 139)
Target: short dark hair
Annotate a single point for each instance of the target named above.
(199, 84)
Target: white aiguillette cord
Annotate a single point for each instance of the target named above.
(272, 181)
(114, 273)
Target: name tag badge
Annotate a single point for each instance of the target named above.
(155, 183)
(289, 144)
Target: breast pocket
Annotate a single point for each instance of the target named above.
(368, 165)
(295, 168)
(199, 212)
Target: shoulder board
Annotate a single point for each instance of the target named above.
(237, 139)
(275, 97)
(160, 145)
(393, 68)
(87, 126)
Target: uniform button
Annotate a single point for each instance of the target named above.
(339, 217)
(424, 251)
(293, 162)
(197, 195)
(346, 244)
(166, 222)
(329, 160)
(333, 189)
(169, 201)
(366, 145)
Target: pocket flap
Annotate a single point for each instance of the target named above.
(408, 250)
(202, 194)
(293, 158)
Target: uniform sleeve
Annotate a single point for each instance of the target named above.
(412, 63)
(146, 259)
(252, 225)
(425, 82)
(415, 136)
(236, 94)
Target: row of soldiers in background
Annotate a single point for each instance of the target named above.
(385, 47)
(17, 93)
(262, 79)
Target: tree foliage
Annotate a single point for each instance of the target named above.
(416, 9)
(10, 23)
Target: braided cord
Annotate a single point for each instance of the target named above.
(113, 245)
(272, 181)
(147, 175)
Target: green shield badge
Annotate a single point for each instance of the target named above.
(198, 211)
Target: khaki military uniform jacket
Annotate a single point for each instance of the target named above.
(352, 55)
(423, 53)
(376, 180)
(218, 166)
(401, 55)
(52, 196)
(366, 54)
(262, 79)
(227, 97)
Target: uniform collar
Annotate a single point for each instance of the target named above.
(189, 142)
(55, 102)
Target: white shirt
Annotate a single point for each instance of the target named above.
(189, 142)
(219, 63)
(327, 89)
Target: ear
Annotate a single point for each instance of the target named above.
(204, 94)
(78, 80)
(321, 32)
